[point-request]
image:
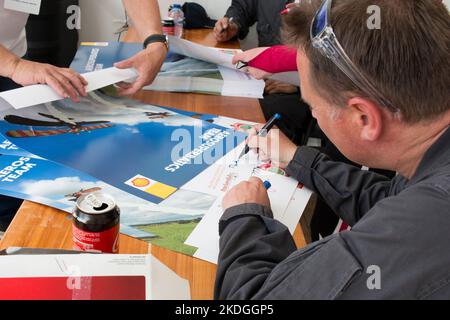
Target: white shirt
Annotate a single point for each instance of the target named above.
(12, 30)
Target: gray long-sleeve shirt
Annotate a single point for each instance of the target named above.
(398, 247)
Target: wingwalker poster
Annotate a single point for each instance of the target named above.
(145, 150)
(25, 176)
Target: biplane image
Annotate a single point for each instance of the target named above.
(157, 115)
(71, 127)
(74, 196)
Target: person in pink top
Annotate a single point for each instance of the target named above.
(266, 61)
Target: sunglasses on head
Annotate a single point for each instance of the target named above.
(324, 39)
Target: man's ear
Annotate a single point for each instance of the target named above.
(367, 117)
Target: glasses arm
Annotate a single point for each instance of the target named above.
(327, 43)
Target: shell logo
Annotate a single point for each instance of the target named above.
(140, 182)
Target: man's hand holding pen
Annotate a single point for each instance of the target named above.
(271, 144)
(275, 146)
(226, 29)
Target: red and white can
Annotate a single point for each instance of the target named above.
(168, 27)
(96, 223)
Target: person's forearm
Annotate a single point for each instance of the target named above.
(244, 15)
(145, 16)
(247, 234)
(9, 62)
(276, 59)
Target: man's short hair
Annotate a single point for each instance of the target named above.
(407, 59)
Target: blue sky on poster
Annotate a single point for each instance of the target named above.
(138, 143)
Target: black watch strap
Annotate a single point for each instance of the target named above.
(157, 38)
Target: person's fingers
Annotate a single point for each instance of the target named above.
(67, 85)
(270, 88)
(255, 180)
(218, 36)
(258, 73)
(263, 156)
(224, 24)
(222, 37)
(127, 92)
(56, 85)
(256, 142)
(77, 81)
(238, 57)
(217, 26)
(76, 74)
(123, 85)
(134, 87)
(258, 127)
(270, 82)
(254, 131)
(81, 78)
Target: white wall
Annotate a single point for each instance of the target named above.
(215, 8)
(101, 18)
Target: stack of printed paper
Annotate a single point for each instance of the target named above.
(179, 73)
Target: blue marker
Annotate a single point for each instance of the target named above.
(267, 185)
(263, 133)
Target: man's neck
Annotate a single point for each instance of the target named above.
(414, 142)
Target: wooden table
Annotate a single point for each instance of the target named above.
(38, 226)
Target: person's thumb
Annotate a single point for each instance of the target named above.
(239, 57)
(255, 142)
(256, 180)
(125, 64)
(224, 23)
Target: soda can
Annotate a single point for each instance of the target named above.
(168, 27)
(96, 223)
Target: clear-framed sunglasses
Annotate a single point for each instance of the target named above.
(324, 39)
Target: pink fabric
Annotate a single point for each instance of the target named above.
(276, 59)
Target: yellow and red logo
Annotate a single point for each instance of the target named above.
(140, 182)
(152, 187)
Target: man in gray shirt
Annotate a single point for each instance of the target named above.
(383, 99)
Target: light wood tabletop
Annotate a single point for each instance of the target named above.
(38, 226)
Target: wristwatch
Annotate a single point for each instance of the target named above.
(157, 38)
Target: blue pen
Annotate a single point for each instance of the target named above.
(267, 185)
(263, 133)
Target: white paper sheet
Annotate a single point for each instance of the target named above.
(197, 51)
(296, 208)
(218, 178)
(239, 84)
(222, 58)
(208, 227)
(166, 284)
(40, 93)
(206, 234)
(209, 254)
